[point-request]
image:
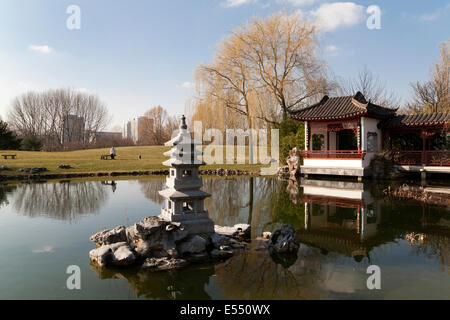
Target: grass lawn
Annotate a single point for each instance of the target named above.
(89, 160)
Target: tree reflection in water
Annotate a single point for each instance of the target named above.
(255, 275)
(61, 201)
(151, 188)
(339, 239)
(185, 284)
(5, 192)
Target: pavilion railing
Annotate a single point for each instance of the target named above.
(429, 158)
(334, 154)
(438, 158)
(409, 158)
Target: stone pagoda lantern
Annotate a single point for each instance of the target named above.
(184, 201)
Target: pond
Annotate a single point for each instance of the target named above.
(343, 228)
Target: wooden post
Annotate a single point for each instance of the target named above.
(328, 143)
(424, 143)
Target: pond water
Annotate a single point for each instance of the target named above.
(343, 228)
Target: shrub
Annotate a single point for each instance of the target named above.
(8, 140)
(292, 134)
(31, 143)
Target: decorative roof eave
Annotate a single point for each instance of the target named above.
(185, 194)
(344, 117)
(181, 163)
(415, 126)
(340, 108)
(414, 121)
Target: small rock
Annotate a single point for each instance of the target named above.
(241, 231)
(284, 240)
(164, 264)
(195, 244)
(219, 240)
(117, 254)
(266, 235)
(103, 256)
(123, 256)
(118, 234)
(221, 254)
(147, 228)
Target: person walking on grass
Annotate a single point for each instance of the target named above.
(112, 153)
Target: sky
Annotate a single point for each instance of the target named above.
(137, 54)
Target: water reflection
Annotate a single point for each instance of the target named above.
(343, 227)
(5, 191)
(113, 185)
(150, 189)
(339, 224)
(61, 201)
(186, 284)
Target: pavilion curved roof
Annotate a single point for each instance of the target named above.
(416, 120)
(337, 108)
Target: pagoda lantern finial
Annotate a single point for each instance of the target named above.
(184, 201)
(183, 124)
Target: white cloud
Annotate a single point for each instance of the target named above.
(298, 3)
(332, 49)
(42, 49)
(188, 85)
(434, 15)
(429, 16)
(237, 3)
(330, 16)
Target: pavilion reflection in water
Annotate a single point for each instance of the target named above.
(340, 217)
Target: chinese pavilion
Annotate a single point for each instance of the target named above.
(343, 134)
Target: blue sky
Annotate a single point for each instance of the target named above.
(137, 54)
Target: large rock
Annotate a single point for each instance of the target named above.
(118, 254)
(108, 236)
(241, 231)
(154, 237)
(284, 240)
(218, 240)
(195, 244)
(147, 228)
(103, 256)
(123, 256)
(158, 264)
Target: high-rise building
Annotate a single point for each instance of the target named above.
(72, 129)
(141, 129)
(126, 133)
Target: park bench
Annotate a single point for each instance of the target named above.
(5, 156)
(105, 157)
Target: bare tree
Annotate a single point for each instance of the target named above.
(162, 125)
(371, 87)
(58, 116)
(434, 94)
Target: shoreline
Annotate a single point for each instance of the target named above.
(135, 173)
